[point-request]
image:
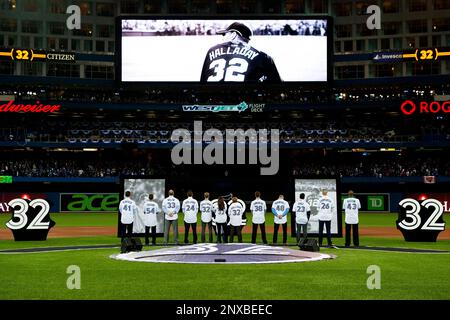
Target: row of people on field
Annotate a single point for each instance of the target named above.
(227, 219)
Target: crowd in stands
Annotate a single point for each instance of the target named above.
(351, 129)
(182, 95)
(387, 167)
(379, 169)
(212, 27)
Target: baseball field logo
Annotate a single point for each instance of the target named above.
(231, 253)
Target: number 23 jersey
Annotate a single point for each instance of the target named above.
(238, 62)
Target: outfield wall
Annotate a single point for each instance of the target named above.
(102, 194)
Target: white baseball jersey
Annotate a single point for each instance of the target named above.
(171, 205)
(220, 215)
(301, 208)
(351, 207)
(190, 210)
(258, 208)
(235, 212)
(242, 203)
(280, 206)
(150, 209)
(325, 208)
(206, 210)
(127, 209)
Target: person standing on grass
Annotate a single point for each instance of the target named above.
(325, 207)
(235, 211)
(127, 209)
(351, 207)
(190, 210)
(221, 219)
(150, 209)
(171, 207)
(258, 208)
(302, 212)
(280, 209)
(206, 217)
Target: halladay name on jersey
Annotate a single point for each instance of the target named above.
(243, 51)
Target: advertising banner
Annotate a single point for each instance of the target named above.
(89, 202)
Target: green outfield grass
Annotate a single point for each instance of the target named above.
(43, 275)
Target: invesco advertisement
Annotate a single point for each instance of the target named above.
(89, 202)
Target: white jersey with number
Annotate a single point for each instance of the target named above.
(150, 209)
(244, 207)
(301, 209)
(235, 212)
(258, 208)
(280, 206)
(351, 207)
(190, 210)
(171, 205)
(127, 209)
(220, 215)
(325, 208)
(206, 210)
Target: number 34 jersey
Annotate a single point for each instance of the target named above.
(238, 62)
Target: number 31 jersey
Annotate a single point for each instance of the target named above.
(238, 62)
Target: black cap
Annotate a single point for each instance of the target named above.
(239, 28)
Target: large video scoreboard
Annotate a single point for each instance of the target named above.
(205, 50)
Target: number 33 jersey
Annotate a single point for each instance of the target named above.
(238, 62)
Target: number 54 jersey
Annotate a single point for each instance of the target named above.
(238, 62)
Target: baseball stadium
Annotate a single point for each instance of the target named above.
(317, 130)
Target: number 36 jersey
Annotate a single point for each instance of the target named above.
(238, 62)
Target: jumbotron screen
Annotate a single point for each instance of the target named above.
(223, 50)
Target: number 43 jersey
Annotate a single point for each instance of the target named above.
(238, 62)
(351, 207)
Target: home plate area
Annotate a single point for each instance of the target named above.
(232, 253)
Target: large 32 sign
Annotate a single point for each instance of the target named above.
(420, 221)
(30, 219)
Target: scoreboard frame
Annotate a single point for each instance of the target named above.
(231, 85)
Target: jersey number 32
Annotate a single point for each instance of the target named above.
(234, 70)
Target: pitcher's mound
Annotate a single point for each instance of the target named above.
(223, 253)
